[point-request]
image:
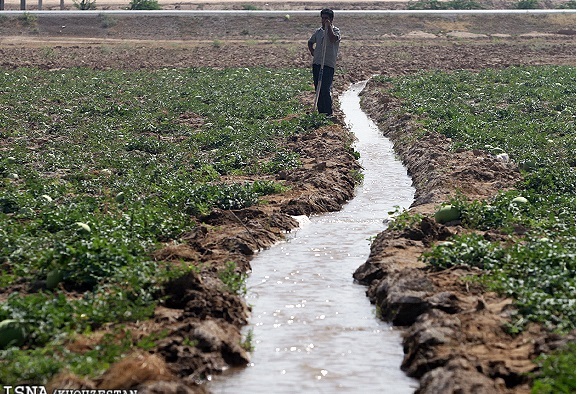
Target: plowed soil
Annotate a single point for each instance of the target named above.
(458, 344)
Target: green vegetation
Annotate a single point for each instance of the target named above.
(404, 218)
(234, 281)
(248, 342)
(85, 4)
(32, 364)
(144, 5)
(444, 5)
(557, 372)
(98, 168)
(527, 4)
(568, 5)
(107, 21)
(28, 19)
(357, 176)
(537, 273)
(529, 113)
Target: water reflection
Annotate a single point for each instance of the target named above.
(314, 330)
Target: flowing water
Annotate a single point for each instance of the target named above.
(313, 329)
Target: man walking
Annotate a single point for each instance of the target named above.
(324, 59)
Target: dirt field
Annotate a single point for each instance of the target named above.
(253, 4)
(467, 348)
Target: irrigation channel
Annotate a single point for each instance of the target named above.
(314, 330)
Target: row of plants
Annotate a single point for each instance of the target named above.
(528, 114)
(100, 168)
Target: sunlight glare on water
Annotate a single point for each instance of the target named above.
(314, 330)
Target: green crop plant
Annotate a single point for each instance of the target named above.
(403, 218)
(156, 146)
(248, 342)
(357, 176)
(529, 113)
(234, 281)
(39, 364)
(557, 372)
(525, 111)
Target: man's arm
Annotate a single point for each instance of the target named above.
(331, 34)
(311, 48)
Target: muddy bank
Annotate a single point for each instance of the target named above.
(455, 335)
(201, 317)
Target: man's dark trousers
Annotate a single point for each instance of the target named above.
(325, 102)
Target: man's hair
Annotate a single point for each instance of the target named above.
(328, 12)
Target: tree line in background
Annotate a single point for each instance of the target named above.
(133, 5)
(91, 5)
